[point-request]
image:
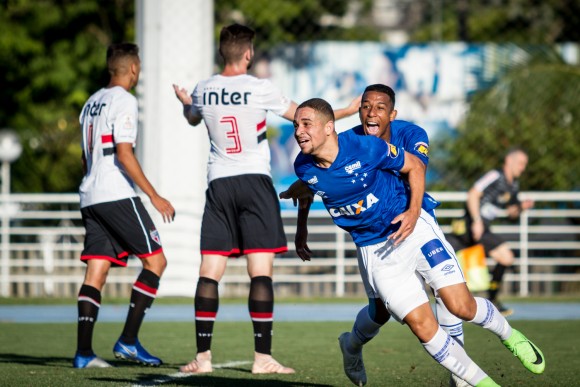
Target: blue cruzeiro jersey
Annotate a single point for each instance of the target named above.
(414, 140)
(361, 198)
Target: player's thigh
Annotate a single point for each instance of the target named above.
(389, 271)
(261, 226)
(219, 225)
(436, 261)
(99, 243)
(129, 223)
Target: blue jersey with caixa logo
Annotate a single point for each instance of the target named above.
(359, 196)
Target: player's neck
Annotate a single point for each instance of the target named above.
(325, 157)
(122, 82)
(508, 175)
(234, 69)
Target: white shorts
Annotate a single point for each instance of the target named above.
(395, 273)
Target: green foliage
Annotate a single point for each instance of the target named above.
(534, 106)
(53, 58)
(283, 21)
(501, 21)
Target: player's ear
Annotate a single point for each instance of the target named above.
(393, 114)
(329, 128)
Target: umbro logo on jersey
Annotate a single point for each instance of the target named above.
(353, 167)
(313, 180)
(320, 193)
(355, 208)
(447, 267)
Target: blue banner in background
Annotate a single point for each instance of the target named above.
(432, 82)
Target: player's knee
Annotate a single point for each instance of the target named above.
(155, 263)
(378, 311)
(503, 255)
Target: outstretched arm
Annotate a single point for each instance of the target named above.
(133, 168)
(184, 97)
(351, 109)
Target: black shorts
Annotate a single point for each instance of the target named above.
(241, 216)
(115, 230)
(488, 239)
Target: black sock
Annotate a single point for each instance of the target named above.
(206, 308)
(261, 306)
(142, 296)
(495, 283)
(88, 303)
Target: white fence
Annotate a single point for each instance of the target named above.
(42, 239)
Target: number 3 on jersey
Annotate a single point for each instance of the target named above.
(232, 134)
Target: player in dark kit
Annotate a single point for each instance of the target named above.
(494, 192)
(242, 213)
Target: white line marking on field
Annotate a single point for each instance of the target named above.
(180, 375)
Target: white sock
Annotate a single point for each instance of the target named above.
(450, 323)
(451, 355)
(363, 330)
(491, 319)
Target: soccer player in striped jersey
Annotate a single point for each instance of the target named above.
(242, 213)
(347, 171)
(495, 191)
(116, 222)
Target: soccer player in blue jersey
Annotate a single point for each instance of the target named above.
(378, 118)
(347, 171)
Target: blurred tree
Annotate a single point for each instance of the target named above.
(283, 21)
(514, 21)
(53, 58)
(534, 106)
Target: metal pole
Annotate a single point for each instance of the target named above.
(5, 259)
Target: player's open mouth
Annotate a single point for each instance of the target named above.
(372, 128)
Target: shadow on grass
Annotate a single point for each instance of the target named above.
(33, 360)
(208, 380)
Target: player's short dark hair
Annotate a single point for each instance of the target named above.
(319, 105)
(235, 39)
(380, 88)
(118, 52)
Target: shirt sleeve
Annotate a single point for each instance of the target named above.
(486, 180)
(125, 120)
(387, 156)
(417, 142)
(272, 99)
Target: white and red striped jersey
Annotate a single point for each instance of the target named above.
(109, 117)
(234, 111)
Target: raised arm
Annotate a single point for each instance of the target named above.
(185, 98)
(351, 109)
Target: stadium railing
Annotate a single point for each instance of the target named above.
(42, 237)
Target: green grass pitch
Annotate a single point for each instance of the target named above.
(41, 355)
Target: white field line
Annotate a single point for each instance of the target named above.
(158, 380)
